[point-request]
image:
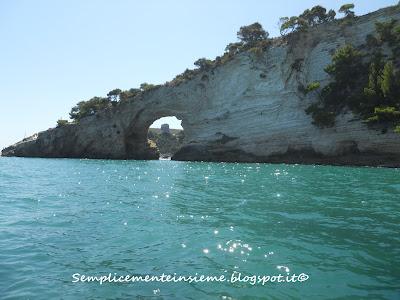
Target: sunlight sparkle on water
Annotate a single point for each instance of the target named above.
(269, 224)
(283, 268)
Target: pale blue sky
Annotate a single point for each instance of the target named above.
(56, 53)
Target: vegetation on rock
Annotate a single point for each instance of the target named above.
(61, 122)
(252, 34)
(346, 9)
(131, 93)
(367, 83)
(114, 95)
(92, 106)
(89, 108)
(310, 17)
(203, 64)
(147, 86)
(312, 87)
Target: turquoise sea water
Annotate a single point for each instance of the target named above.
(58, 217)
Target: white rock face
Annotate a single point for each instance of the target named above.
(249, 109)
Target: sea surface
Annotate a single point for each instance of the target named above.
(340, 226)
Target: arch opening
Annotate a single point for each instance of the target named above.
(166, 136)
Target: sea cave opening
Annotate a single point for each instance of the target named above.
(166, 134)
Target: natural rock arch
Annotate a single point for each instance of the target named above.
(137, 131)
(161, 102)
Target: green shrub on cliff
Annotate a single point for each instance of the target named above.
(92, 106)
(389, 84)
(385, 114)
(322, 117)
(312, 87)
(346, 63)
(397, 129)
(234, 48)
(89, 108)
(387, 31)
(366, 83)
(310, 17)
(317, 15)
(62, 122)
(204, 64)
(250, 35)
(346, 9)
(186, 75)
(114, 95)
(346, 71)
(383, 87)
(288, 25)
(147, 86)
(253, 38)
(131, 93)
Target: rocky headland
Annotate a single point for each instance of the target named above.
(248, 109)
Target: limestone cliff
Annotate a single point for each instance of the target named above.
(249, 109)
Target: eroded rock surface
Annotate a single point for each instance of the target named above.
(249, 109)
